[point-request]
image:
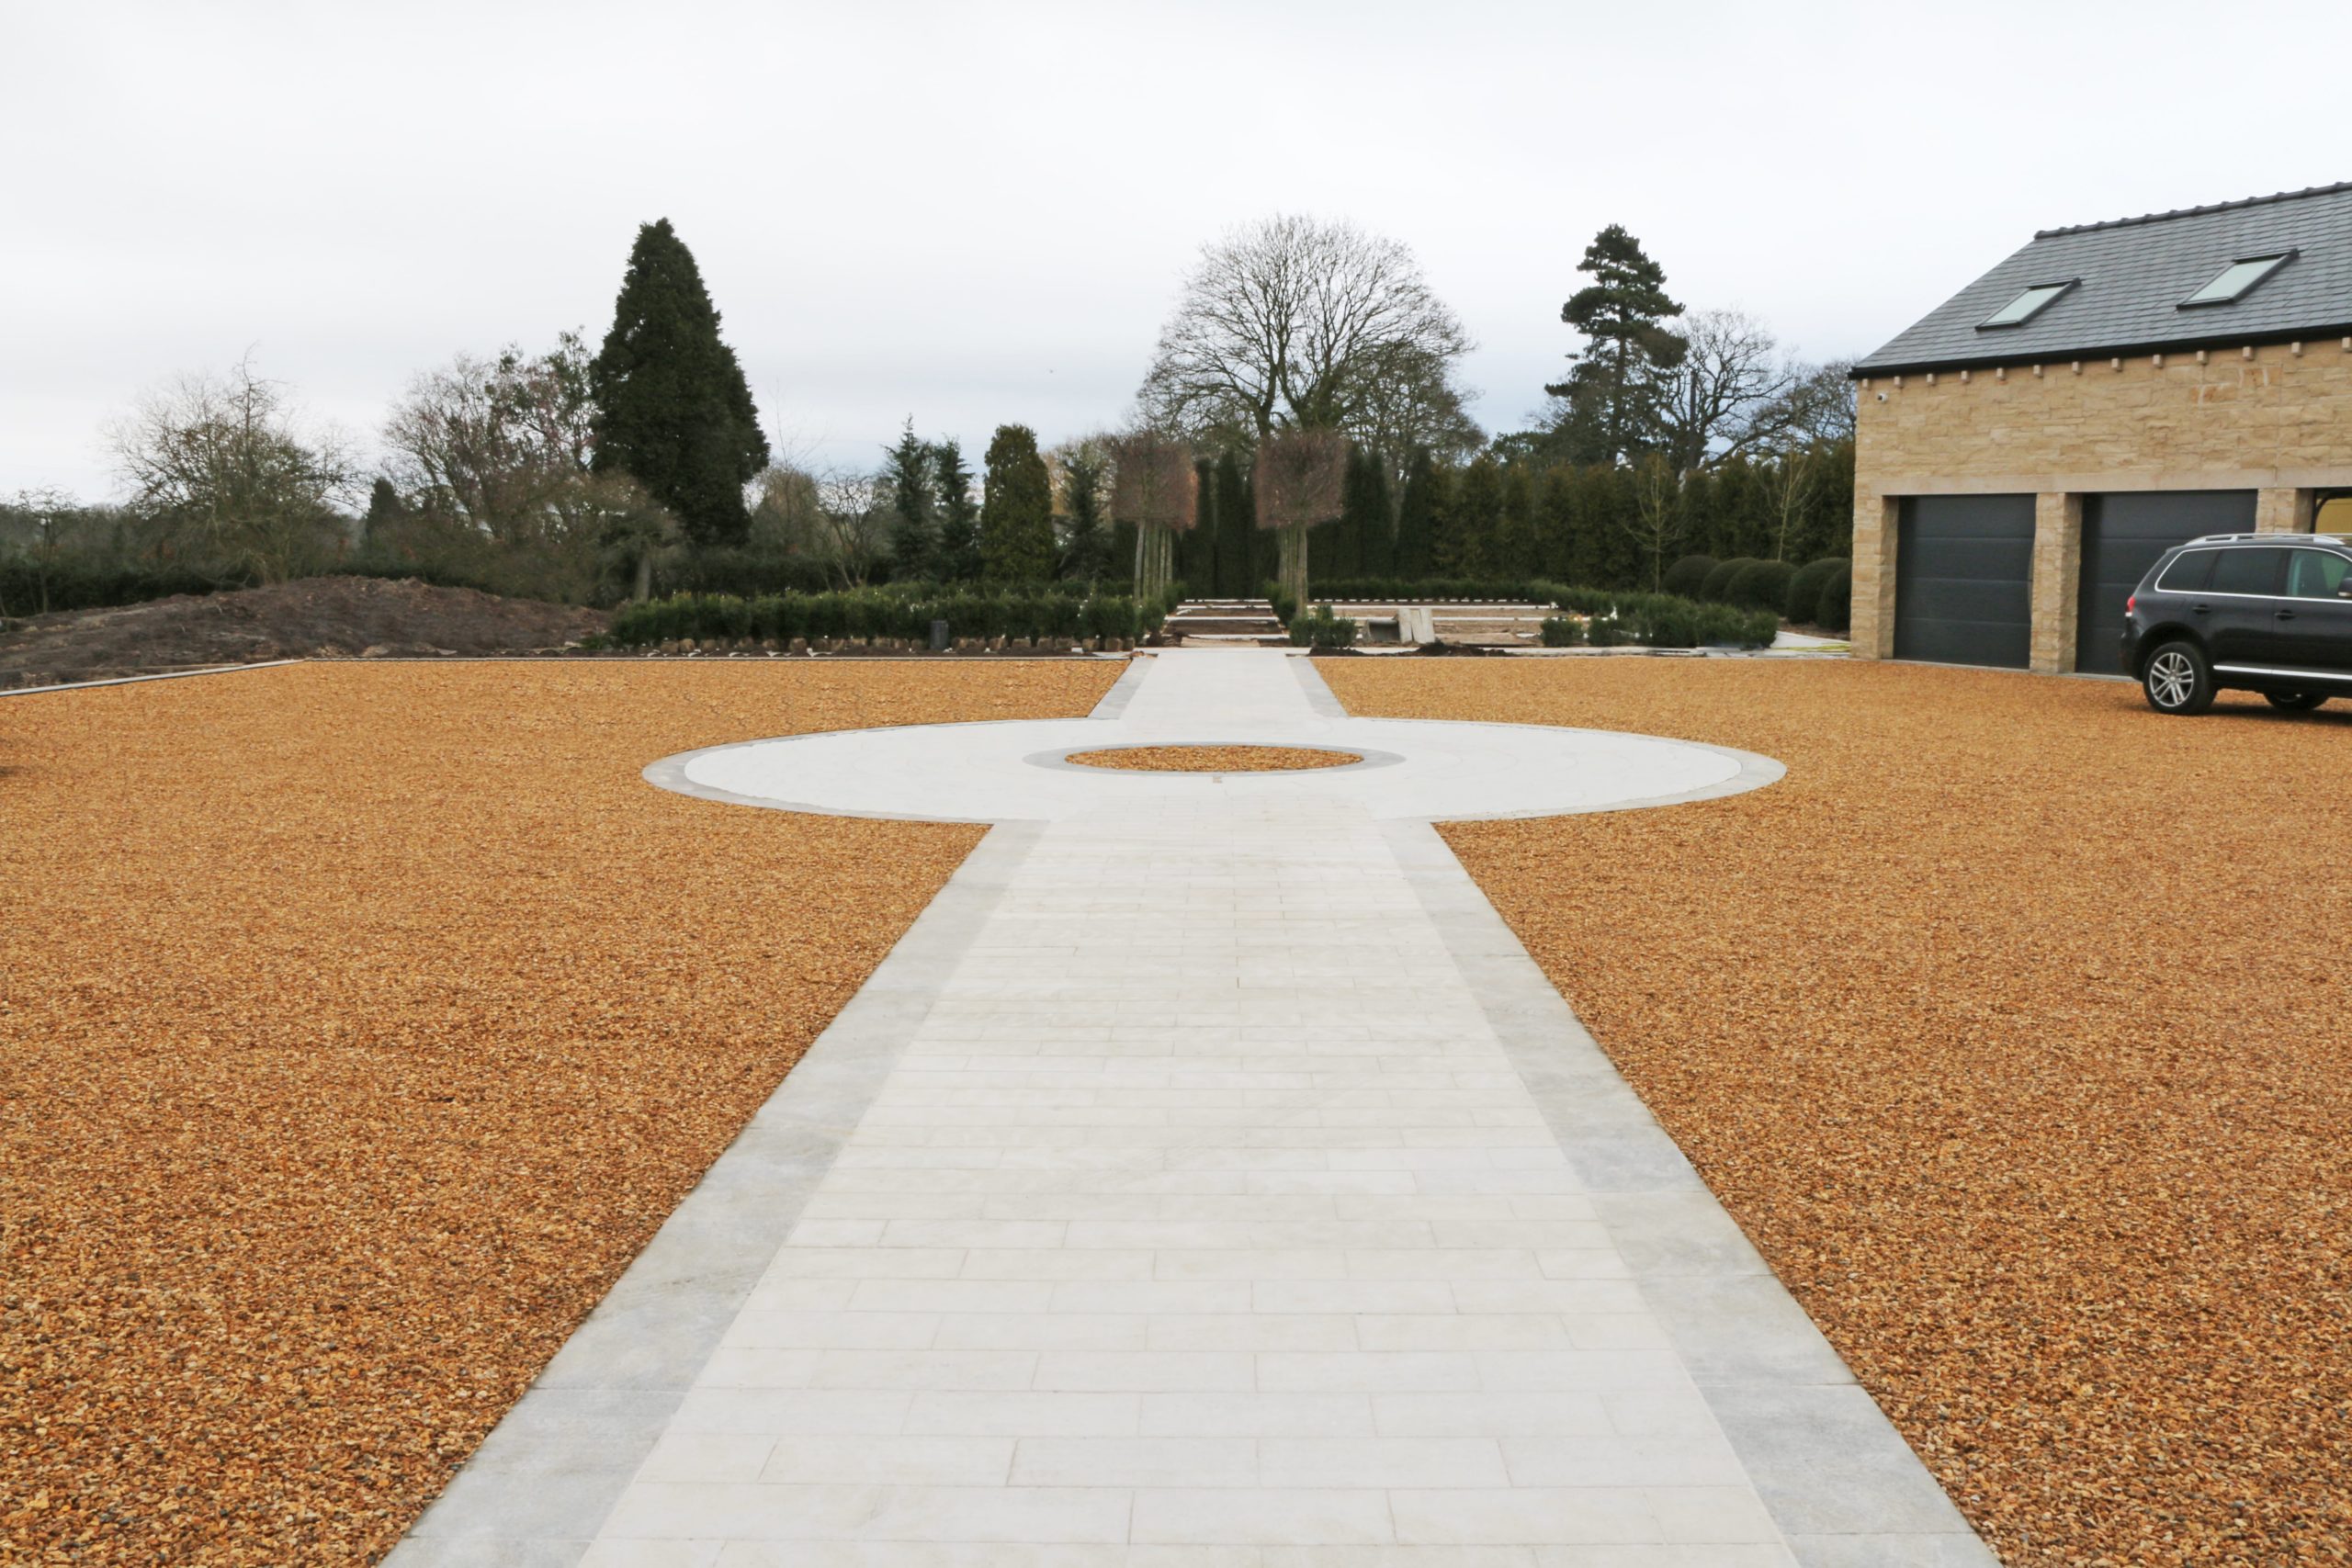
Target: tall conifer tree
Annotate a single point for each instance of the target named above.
(1236, 534)
(1616, 388)
(1376, 547)
(673, 409)
(1417, 518)
(1016, 509)
(906, 478)
(959, 520)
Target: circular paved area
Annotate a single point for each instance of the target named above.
(1014, 771)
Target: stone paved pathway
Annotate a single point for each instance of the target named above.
(1215, 1184)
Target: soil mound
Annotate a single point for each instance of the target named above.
(317, 616)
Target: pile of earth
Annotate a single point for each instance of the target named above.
(315, 617)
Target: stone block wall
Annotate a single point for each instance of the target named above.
(2274, 418)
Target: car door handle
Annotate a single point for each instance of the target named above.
(2202, 609)
(2286, 615)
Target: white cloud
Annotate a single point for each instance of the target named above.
(978, 213)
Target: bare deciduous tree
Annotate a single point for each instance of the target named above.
(854, 520)
(501, 447)
(1819, 404)
(222, 465)
(1292, 323)
(1726, 395)
(1790, 484)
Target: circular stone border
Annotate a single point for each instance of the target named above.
(1365, 758)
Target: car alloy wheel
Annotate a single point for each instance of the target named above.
(2172, 679)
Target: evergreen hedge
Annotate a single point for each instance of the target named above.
(1320, 628)
(82, 585)
(895, 612)
(1804, 590)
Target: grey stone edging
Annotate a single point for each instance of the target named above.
(1844, 1488)
(535, 1492)
(1838, 1480)
(1123, 690)
(158, 675)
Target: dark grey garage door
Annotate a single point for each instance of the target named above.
(2123, 533)
(1963, 576)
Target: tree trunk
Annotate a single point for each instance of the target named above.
(1291, 546)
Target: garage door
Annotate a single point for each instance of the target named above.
(2123, 533)
(1963, 580)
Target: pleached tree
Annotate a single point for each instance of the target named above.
(1155, 489)
(1301, 482)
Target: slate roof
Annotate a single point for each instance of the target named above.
(2134, 273)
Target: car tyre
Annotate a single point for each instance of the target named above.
(2177, 679)
(2295, 702)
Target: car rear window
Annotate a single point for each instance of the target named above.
(2189, 572)
(2248, 571)
(2317, 574)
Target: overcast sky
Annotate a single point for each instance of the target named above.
(978, 213)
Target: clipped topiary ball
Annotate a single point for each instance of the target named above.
(1804, 590)
(1716, 587)
(1687, 576)
(1834, 610)
(1762, 585)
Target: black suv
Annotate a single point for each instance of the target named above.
(2268, 612)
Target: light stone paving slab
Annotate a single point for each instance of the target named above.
(1208, 1181)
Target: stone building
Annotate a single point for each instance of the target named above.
(2027, 449)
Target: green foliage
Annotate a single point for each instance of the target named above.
(905, 489)
(1278, 599)
(1236, 522)
(1835, 610)
(1416, 516)
(1716, 589)
(1804, 589)
(1762, 585)
(1563, 631)
(1016, 509)
(1468, 525)
(906, 611)
(1320, 628)
(1616, 388)
(958, 555)
(1086, 544)
(1689, 575)
(31, 587)
(674, 410)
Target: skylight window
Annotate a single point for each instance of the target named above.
(2237, 279)
(2026, 306)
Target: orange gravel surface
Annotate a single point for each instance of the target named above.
(1214, 758)
(2013, 1026)
(359, 1023)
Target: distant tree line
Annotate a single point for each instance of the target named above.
(641, 468)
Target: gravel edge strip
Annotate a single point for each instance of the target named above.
(537, 1490)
